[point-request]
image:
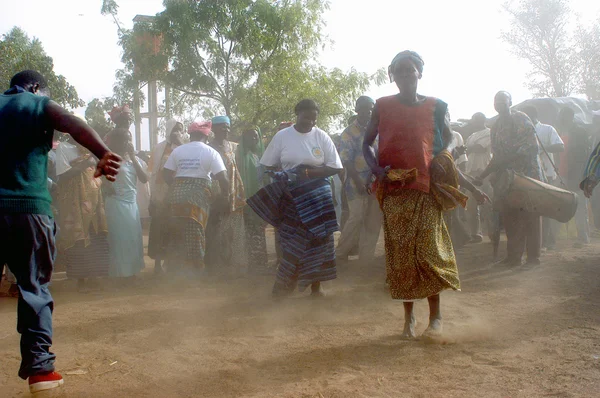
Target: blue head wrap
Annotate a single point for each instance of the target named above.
(221, 120)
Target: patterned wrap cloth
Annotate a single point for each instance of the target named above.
(189, 200)
(83, 226)
(304, 216)
(445, 188)
(517, 135)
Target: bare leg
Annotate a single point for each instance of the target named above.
(435, 317)
(410, 322)
(317, 290)
(158, 266)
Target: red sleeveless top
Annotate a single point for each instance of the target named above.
(410, 136)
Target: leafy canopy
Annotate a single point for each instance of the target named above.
(250, 59)
(562, 61)
(18, 52)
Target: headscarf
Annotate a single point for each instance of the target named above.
(171, 123)
(247, 167)
(118, 112)
(413, 56)
(363, 100)
(221, 120)
(203, 127)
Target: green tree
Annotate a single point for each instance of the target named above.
(539, 34)
(96, 114)
(18, 52)
(250, 59)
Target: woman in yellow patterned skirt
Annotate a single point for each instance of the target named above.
(413, 130)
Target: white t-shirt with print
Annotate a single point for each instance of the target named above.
(290, 148)
(195, 160)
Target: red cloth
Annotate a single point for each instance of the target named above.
(201, 127)
(406, 138)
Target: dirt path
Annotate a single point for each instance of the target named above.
(510, 333)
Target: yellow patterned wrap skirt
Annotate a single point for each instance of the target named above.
(420, 259)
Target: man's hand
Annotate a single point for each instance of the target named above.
(481, 197)
(459, 151)
(108, 166)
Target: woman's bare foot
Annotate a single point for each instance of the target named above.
(434, 329)
(317, 290)
(281, 291)
(409, 328)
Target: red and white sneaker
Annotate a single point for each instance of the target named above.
(44, 382)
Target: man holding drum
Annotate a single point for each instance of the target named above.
(550, 144)
(515, 147)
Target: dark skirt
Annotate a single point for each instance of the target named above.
(91, 261)
(158, 238)
(256, 242)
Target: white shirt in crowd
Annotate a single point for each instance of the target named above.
(65, 154)
(195, 160)
(548, 137)
(458, 141)
(290, 148)
(479, 161)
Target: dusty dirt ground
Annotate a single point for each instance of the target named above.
(528, 332)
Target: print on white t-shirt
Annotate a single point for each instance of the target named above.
(290, 148)
(195, 160)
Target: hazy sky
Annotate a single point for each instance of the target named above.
(466, 63)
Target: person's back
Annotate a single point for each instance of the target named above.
(26, 142)
(27, 230)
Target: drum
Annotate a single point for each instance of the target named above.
(520, 192)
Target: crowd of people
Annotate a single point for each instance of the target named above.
(398, 166)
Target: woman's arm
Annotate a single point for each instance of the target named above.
(480, 196)
(225, 193)
(169, 176)
(447, 134)
(139, 170)
(319, 172)
(369, 140)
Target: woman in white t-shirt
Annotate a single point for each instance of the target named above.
(189, 172)
(299, 204)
